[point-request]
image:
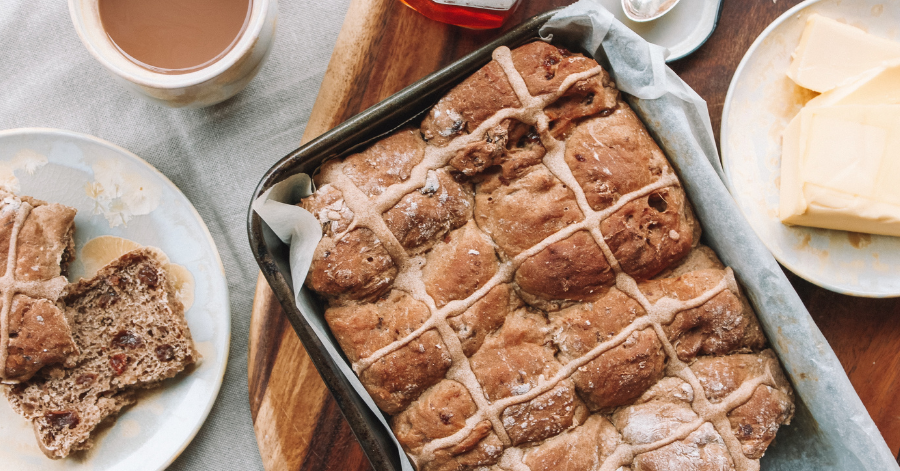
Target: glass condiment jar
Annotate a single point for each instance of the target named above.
(475, 14)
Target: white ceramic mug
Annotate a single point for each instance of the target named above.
(207, 86)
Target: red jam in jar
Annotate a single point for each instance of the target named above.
(475, 14)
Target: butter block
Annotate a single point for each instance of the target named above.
(877, 86)
(831, 53)
(790, 198)
(839, 169)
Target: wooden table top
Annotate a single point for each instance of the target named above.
(384, 46)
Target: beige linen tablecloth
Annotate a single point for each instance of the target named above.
(215, 155)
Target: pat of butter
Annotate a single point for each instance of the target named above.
(831, 53)
(839, 169)
(877, 86)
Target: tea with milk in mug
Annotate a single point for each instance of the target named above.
(174, 36)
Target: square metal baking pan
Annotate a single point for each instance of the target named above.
(810, 442)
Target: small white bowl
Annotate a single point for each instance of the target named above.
(210, 85)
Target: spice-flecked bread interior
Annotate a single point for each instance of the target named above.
(130, 332)
(518, 283)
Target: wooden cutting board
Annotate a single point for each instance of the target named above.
(385, 46)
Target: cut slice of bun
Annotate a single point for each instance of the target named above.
(131, 333)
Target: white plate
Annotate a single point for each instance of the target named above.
(681, 30)
(152, 433)
(760, 103)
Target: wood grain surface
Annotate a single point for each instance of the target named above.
(383, 47)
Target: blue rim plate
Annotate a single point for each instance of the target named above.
(682, 30)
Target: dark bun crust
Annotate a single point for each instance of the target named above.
(37, 332)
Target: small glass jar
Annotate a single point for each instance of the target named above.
(475, 14)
